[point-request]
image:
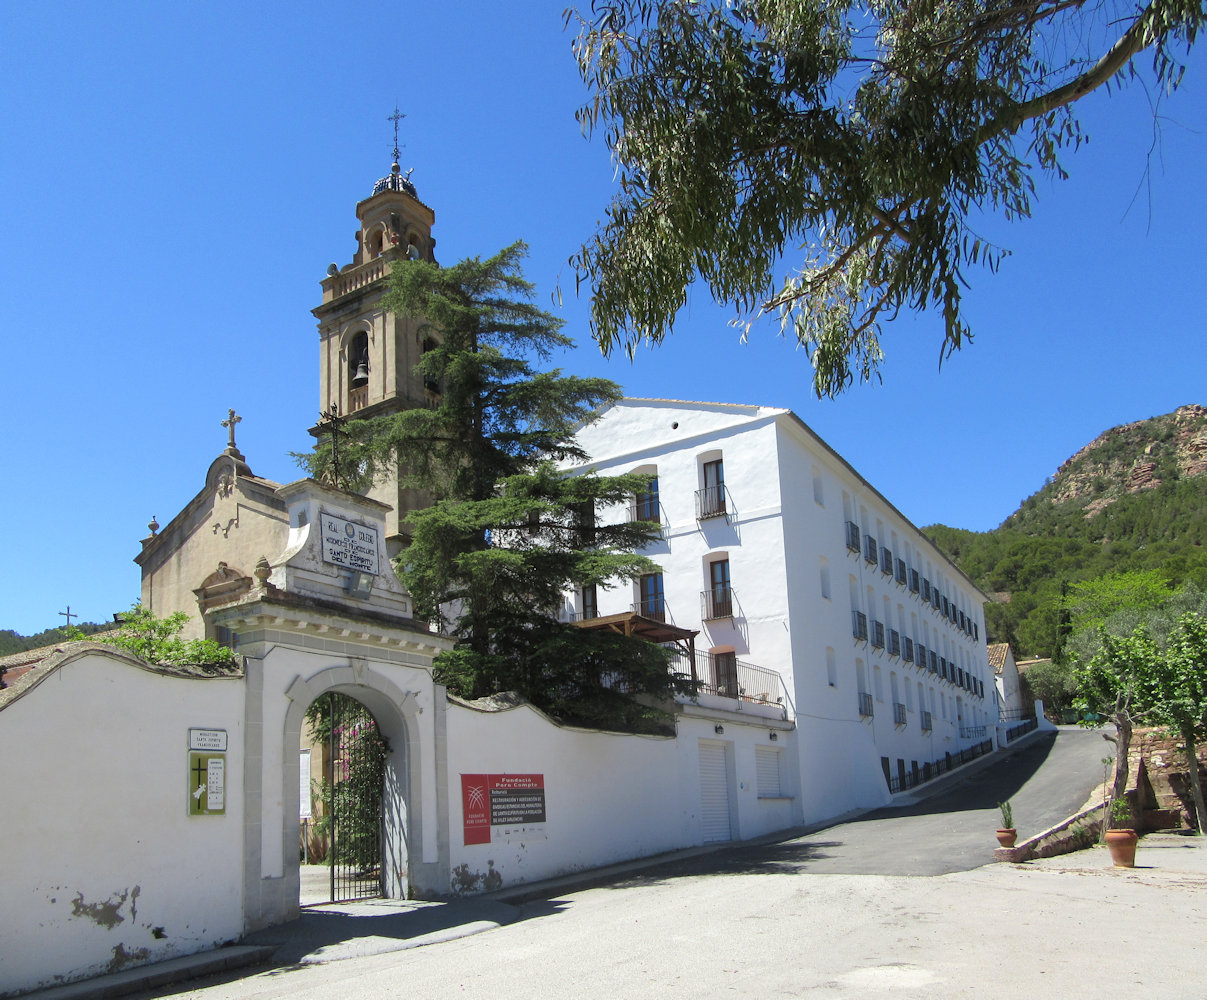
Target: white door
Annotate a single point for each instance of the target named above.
(714, 792)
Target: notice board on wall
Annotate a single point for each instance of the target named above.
(500, 800)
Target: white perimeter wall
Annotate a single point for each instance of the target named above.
(608, 797)
(103, 866)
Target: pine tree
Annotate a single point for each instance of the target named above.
(507, 534)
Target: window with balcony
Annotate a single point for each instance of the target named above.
(710, 501)
(852, 536)
(645, 505)
(901, 571)
(859, 625)
(908, 653)
(878, 634)
(718, 599)
(915, 581)
(925, 590)
(865, 705)
(886, 561)
(584, 523)
(870, 549)
(899, 714)
(650, 600)
(894, 642)
(590, 603)
(725, 673)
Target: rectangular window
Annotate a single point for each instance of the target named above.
(859, 625)
(647, 503)
(852, 536)
(584, 521)
(767, 772)
(869, 549)
(725, 674)
(710, 501)
(719, 596)
(651, 603)
(590, 603)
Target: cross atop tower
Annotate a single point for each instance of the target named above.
(396, 117)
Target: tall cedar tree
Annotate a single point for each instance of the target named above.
(507, 535)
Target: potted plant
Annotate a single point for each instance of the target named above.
(1006, 834)
(1121, 837)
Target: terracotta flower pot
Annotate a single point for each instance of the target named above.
(1122, 845)
(1007, 837)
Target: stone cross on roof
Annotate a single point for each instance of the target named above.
(232, 419)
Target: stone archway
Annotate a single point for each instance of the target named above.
(396, 714)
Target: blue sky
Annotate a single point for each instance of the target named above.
(177, 177)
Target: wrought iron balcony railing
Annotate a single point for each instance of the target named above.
(710, 502)
(716, 603)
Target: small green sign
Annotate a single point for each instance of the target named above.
(207, 784)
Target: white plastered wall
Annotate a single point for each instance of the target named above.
(103, 866)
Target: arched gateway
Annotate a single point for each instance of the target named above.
(330, 616)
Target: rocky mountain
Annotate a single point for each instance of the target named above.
(1134, 498)
(1130, 458)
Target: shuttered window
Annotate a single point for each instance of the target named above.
(767, 772)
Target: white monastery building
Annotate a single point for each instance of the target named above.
(808, 589)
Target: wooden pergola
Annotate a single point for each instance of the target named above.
(637, 626)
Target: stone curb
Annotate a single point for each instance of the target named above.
(148, 977)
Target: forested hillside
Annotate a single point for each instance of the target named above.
(1135, 498)
(11, 642)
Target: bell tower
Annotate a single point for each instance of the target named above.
(368, 356)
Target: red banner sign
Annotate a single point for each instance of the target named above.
(500, 800)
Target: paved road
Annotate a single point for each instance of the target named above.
(1046, 780)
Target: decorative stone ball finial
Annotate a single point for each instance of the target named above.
(263, 571)
(153, 527)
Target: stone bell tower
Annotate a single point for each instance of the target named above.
(367, 356)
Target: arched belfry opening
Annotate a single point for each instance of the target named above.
(358, 371)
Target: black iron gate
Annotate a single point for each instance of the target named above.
(357, 754)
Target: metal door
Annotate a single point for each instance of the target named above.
(357, 752)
